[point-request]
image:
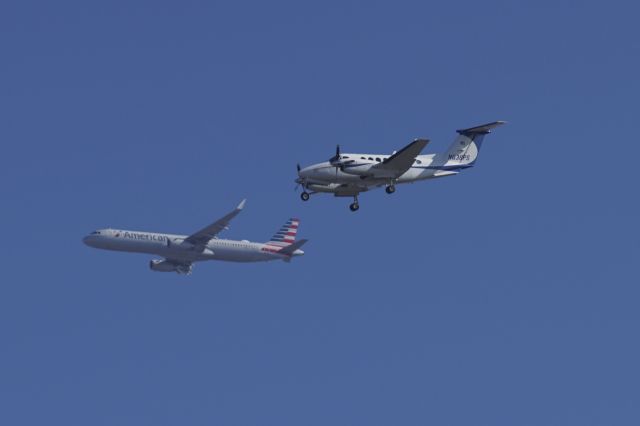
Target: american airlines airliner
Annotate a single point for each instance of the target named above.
(181, 251)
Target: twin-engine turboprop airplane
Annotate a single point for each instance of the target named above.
(181, 251)
(347, 175)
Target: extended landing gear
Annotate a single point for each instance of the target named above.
(304, 196)
(390, 189)
(354, 206)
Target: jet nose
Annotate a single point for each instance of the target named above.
(89, 240)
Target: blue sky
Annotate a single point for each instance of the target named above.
(503, 296)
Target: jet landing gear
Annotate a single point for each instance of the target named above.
(390, 189)
(354, 206)
(305, 196)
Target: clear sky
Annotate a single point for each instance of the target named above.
(507, 295)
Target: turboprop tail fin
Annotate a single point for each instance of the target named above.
(465, 148)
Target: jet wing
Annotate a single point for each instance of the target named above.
(203, 236)
(401, 161)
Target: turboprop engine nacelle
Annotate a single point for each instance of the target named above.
(162, 266)
(364, 170)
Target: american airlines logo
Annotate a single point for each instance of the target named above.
(147, 237)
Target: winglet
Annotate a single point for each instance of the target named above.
(241, 205)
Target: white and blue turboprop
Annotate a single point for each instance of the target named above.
(181, 251)
(347, 175)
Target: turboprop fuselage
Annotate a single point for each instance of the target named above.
(349, 174)
(359, 173)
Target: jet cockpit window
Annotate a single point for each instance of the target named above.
(95, 233)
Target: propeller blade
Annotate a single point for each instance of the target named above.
(298, 167)
(336, 157)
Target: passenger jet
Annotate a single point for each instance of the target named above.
(179, 252)
(347, 175)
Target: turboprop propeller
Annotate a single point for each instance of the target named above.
(337, 161)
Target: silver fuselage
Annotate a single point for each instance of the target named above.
(168, 246)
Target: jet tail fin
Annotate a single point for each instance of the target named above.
(286, 235)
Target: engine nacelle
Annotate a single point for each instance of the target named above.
(166, 266)
(163, 266)
(364, 170)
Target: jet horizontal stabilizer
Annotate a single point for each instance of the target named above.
(293, 247)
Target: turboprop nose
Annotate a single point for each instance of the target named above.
(298, 252)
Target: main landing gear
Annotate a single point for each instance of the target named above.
(304, 196)
(354, 206)
(390, 189)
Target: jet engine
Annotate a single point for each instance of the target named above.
(166, 266)
(162, 266)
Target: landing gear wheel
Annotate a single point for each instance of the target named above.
(390, 189)
(304, 196)
(354, 207)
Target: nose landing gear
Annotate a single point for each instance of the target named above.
(354, 206)
(390, 189)
(304, 196)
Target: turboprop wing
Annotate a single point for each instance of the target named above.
(401, 161)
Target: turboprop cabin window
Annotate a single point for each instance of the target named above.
(370, 158)
(378, 160)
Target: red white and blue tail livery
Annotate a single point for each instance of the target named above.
(287, 233)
